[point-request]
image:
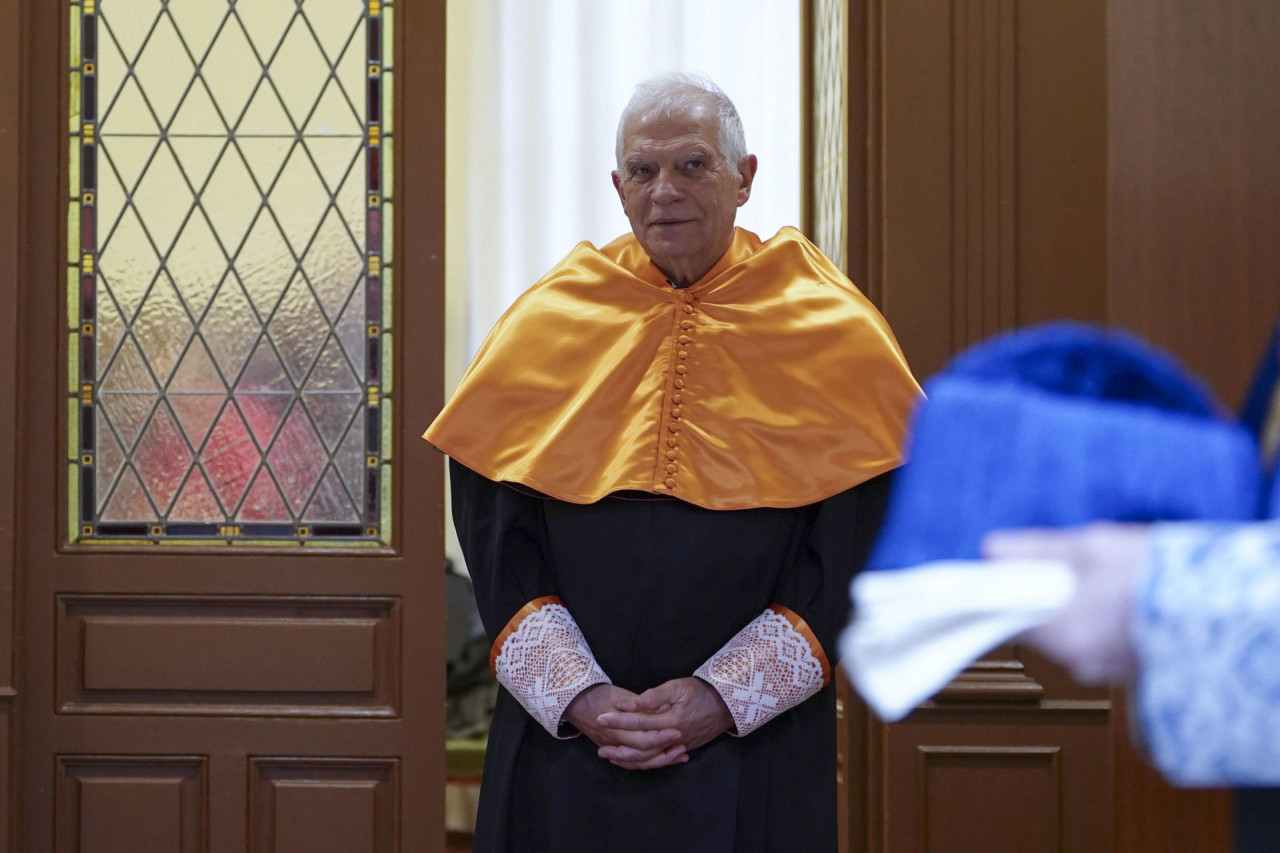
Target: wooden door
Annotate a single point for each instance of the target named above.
(233, 692)
(988, 164)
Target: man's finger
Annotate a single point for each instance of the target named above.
(642, 740)
(637, 722)
(673, 755)
(655, 700)
(1031, 544)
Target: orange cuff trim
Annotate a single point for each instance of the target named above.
(514, 623)
(802, 628)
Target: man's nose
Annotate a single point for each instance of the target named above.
(666, 188)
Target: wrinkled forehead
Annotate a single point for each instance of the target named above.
(660, 129)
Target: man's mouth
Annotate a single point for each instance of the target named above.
(670, 221)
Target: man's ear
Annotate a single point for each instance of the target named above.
(747, 173)
(617, 185)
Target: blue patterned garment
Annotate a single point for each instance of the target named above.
(1207, 636)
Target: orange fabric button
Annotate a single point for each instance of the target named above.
(684, 339)
(681, 369)
(671, 469)
(671, 483)
(688, 309)
(671, 442)
(673, 427)
(679, 383)
(684, 353)
(675, 413)
(677, 398)
(671, 454)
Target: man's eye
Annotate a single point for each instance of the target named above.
(641, 171)
(696, 164)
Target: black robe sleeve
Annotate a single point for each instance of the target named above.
(816, 585)
(501, 533)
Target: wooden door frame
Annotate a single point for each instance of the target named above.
(12, 189)
(32, 225)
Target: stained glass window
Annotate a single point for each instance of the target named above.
(229, 276)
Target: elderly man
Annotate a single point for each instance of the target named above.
(667, 463)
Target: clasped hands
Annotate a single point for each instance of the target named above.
(656, 728)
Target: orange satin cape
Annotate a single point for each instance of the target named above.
(770, 382)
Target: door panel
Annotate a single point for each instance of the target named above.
(221, 698)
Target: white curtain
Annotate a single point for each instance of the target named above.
(534, 117)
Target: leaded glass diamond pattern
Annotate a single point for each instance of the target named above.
(232, 298)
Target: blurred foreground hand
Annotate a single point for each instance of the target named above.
(1091, 636)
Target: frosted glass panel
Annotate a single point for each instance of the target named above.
(228, 244)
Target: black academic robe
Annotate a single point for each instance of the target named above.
(657, 586)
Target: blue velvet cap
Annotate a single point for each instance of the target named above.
(1059, 425)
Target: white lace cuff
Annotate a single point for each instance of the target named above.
(770, 666)
(544, 661)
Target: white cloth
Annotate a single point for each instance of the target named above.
(915, 629)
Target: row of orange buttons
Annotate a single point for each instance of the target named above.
(682, 370)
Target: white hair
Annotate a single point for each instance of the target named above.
(678, 92)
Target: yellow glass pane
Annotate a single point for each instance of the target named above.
(265, 21)
(127, 23)
(110, 328)
(333, 115)
(163, 199)
(386, 363)
(73, 233)
(197, 156)
(125, 156)
(353, 70)
(299, 71)
(229, 200)
(299, 200)
(128, 263)
(73, 431)
(333, 21)
(388, 233)
(388, 98)
(76, 26)
(333, 264)
(73, 493)
(164, 70)
(265, 115)
(130, 113)
(197, 263)
(73, 167)
(387, 421)
(339, 160)
(198, 116)
(197, 20)
(387, 515)
(265, 264)
(388, 173)
(73, 294)
(388, 272)
(73, 362)
(265, 155)
(111, 70)
(74, 102)
(388, 31)
(231, 69)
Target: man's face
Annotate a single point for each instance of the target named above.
(678, 192)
